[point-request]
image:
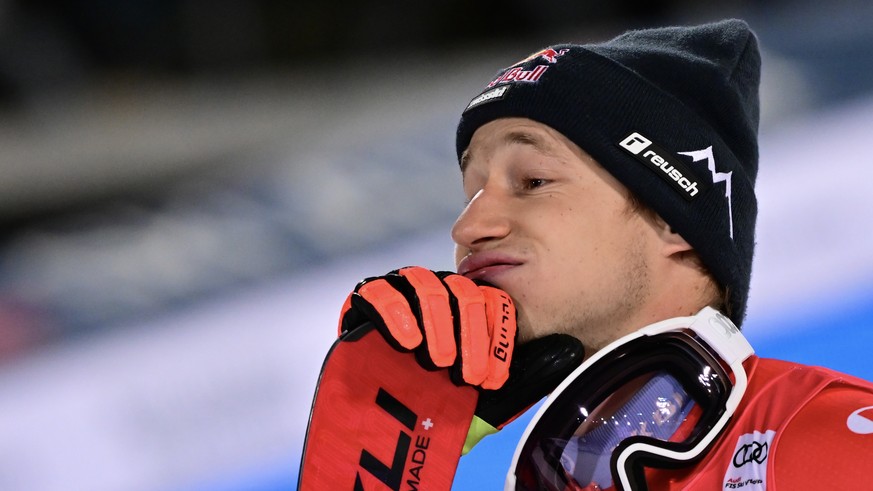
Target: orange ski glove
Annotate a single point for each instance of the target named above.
(448, 320)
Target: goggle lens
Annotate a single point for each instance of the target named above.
(668, 390)
(653, 405)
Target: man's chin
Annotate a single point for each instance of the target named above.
(527, 333)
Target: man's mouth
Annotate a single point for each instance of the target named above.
(486, 265)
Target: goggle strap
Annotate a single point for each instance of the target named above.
(722, 336)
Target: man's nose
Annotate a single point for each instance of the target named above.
(486, 218)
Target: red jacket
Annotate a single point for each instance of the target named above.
(797, 428)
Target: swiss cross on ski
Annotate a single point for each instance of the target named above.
(518, 74)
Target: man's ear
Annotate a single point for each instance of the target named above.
(672, 242)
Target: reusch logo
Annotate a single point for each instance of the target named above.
(678, 175)
(635, 143)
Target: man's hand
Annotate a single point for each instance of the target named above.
(537, 368)
(446, 319)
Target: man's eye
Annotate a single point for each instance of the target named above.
(535, 182)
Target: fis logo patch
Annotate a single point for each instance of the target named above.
(748, 467)
(668, 167)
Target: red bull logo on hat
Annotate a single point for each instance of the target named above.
(549, 54)
(517, 74)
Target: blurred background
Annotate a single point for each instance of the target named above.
(190, 188)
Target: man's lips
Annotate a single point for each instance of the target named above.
(483, 265)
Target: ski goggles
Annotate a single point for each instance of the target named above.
(656, 398)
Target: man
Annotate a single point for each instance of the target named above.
(611, 196)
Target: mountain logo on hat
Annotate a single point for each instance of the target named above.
(725, 177)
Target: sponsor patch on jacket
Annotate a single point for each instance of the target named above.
(748, 467)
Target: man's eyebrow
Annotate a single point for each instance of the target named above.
(465, 159)
(525, 138)
(513, 137)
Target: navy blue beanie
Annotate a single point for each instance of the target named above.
(672, 113)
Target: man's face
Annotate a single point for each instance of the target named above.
(551, 227)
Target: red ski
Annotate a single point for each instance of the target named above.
(380, 421)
